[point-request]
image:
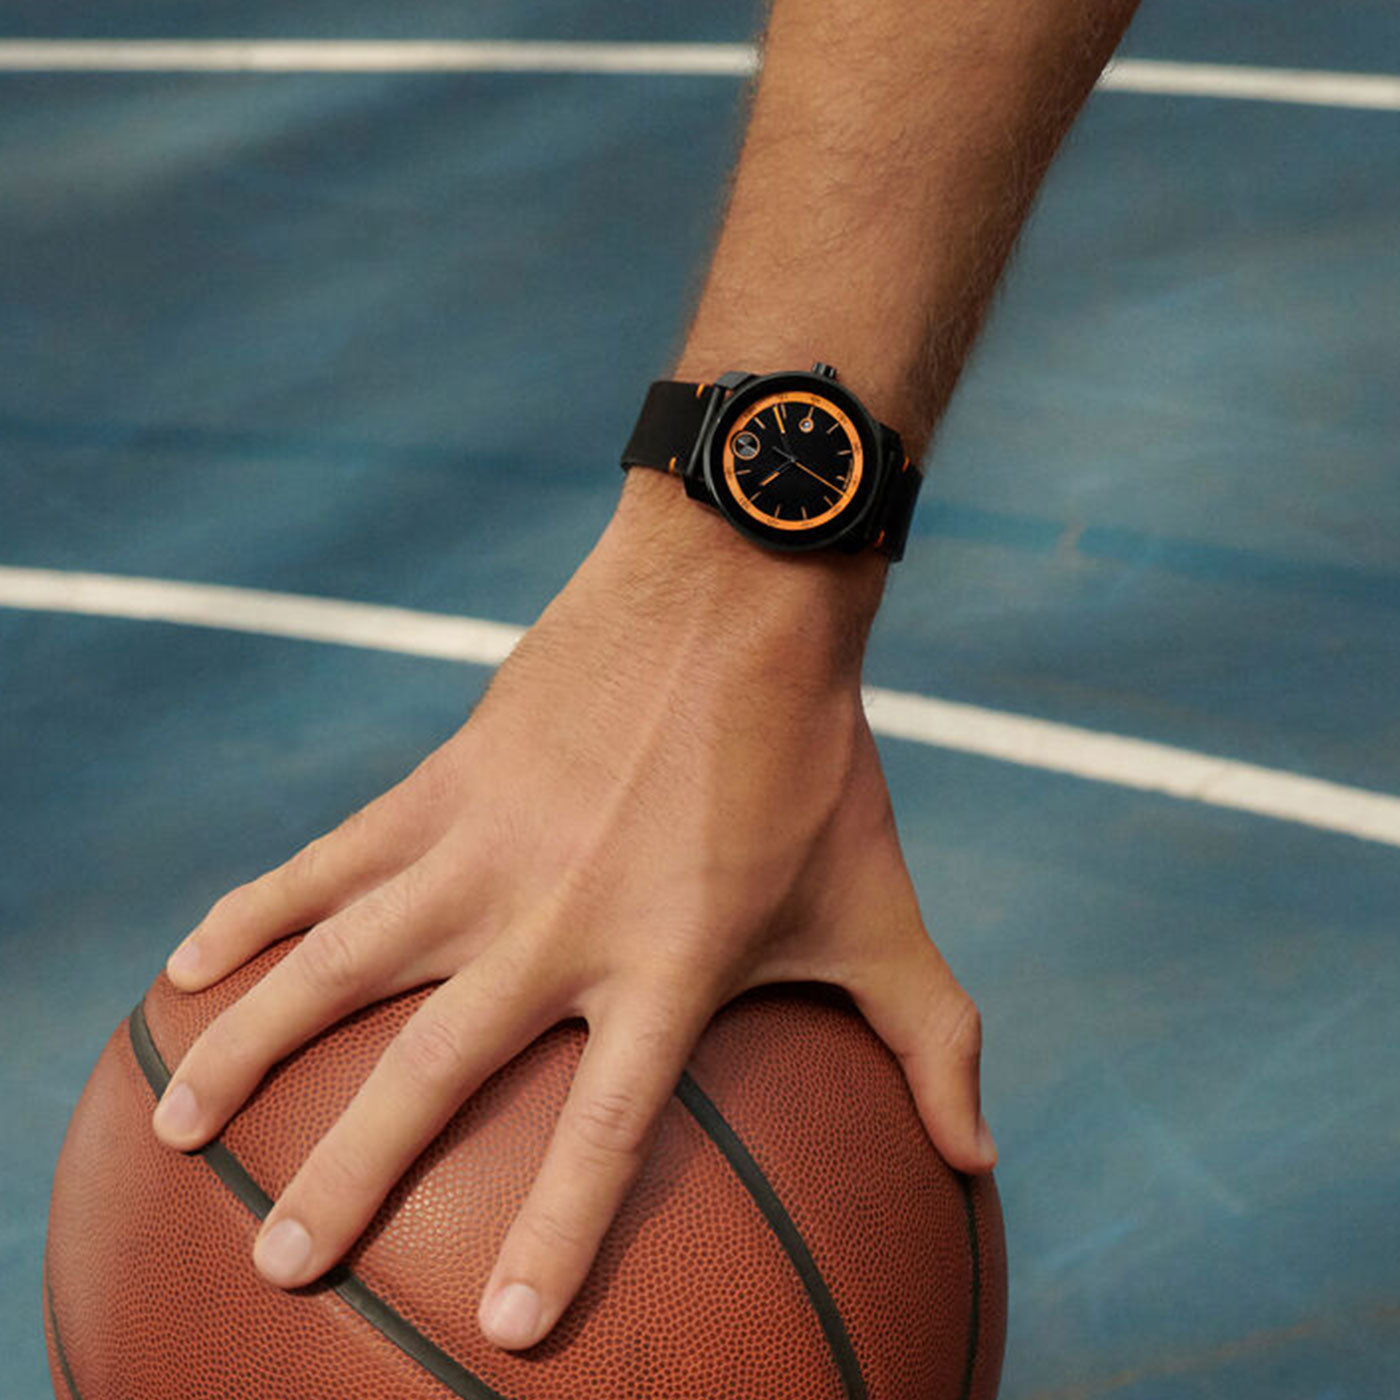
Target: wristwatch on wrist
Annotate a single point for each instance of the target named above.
(792, 460)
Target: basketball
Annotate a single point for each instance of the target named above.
(793, 1234)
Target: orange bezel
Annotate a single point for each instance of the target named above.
(813, 400)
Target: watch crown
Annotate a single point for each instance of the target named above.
(826, 371)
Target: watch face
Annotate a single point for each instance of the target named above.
(791, 460)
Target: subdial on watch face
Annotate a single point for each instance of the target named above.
(793, 461)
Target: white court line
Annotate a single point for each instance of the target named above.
(1313, 87)
(1376, 91)
(252, 610)
(1011, 738)
(371, 56)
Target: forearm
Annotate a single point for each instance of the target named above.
(893, 151)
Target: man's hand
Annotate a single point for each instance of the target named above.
(669, 794)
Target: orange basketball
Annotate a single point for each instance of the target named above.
(793, 1235)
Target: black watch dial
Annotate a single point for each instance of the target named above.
(791, 462)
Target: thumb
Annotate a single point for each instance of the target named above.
(908, 994)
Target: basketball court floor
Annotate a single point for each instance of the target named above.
(377, 337)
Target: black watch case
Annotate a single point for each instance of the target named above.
(705, 477)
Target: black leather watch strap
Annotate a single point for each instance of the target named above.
(668, 426)
(890, 529)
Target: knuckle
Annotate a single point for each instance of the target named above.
(550, 1232)
(340, 1174)
(610, 1124)
(225, 1047)
(327, 959)
(303, 868)
(435, 782)
(394, 904)
(961, 1029)
(431, 1053)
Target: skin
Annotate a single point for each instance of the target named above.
(669, 793)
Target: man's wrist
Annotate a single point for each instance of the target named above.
(655, 513)
(684, 549)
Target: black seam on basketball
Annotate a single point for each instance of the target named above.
(348, 1287)
(713, 1122)
(58, 1344)
(398, 1330)
(974, 1321)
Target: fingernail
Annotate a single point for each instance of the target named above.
(986, 1144)
(281, 1253)
(184, 961)
(177, 1114)
(513, 1316)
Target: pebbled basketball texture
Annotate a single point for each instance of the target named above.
(793, 1234)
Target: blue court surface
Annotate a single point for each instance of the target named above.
(379, 338)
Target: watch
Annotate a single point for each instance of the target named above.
(792, 460)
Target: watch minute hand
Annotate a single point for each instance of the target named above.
(793, 460)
